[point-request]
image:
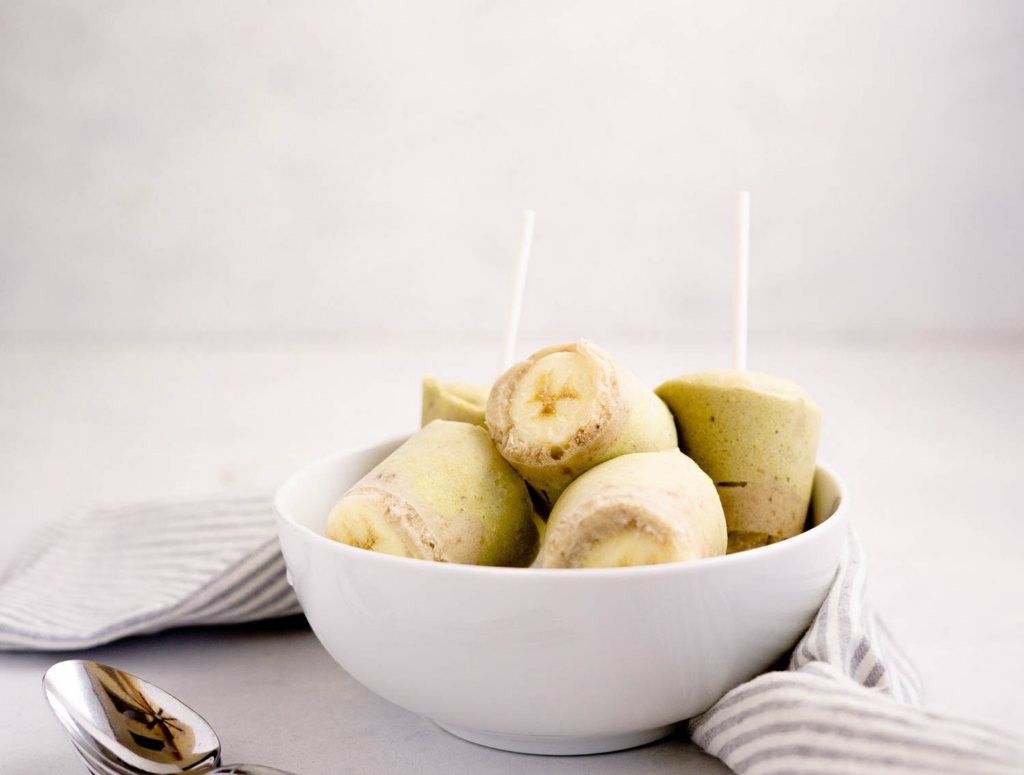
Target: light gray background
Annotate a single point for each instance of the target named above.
(359, 168)
(235, 235)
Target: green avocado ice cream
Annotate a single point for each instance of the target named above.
(444, 495)
(459, 401)
(756, 436)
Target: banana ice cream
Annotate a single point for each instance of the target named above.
(756, 436)
(641, 509)
(458, 401)
(568, 408)
(445, 495)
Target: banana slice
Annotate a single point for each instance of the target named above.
(641, 509)
(554, 398)
(458, 401)
(627, 548)
(568, 408)
(365, 520)
(445, 495)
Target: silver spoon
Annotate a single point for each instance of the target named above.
(122, 725)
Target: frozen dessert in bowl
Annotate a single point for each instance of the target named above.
(557, 660)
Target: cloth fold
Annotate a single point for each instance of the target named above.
(102, 575)
(849, 701)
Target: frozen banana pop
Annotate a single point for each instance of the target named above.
(757, 437)
(568, 408)
(643, 509)
(459, 401)
(444, 495)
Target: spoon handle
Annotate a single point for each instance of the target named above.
(247, 769)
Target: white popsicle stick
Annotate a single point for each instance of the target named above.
(741, 283)
(515, 301)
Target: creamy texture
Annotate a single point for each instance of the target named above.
(757, 437)
(638, 509)
(456, 401)
(444, 495)
(569, 408)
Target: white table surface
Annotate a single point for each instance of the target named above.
(927, 434)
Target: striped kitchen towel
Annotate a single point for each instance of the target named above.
(103, 574)
(849, 703)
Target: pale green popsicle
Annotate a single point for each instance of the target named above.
(444, 495)
(568, 408)
(756, 436)
(458, 401)
(641, 509)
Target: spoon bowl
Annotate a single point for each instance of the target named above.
(128, 722)
(123, 725)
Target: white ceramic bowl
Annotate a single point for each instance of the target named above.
(551, 661)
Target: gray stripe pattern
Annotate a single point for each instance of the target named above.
(104, 574)
(849, 703)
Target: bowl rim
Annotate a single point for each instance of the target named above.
(283, 521)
